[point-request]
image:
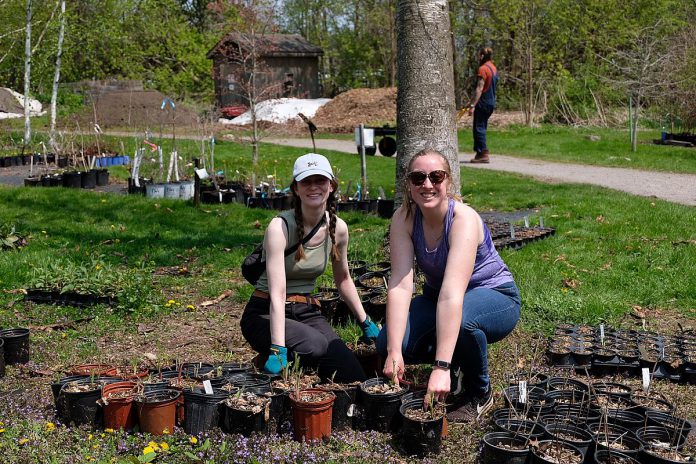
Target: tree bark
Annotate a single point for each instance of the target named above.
(425, 104)
(27, 77)
(56, 77)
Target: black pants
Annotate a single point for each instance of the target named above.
(308, 334)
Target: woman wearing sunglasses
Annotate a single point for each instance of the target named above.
(282, 318)
(469, 299)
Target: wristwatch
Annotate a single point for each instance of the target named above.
(441, 364)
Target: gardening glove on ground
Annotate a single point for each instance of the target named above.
(277, 360)
(370, 329)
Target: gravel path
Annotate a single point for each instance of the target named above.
(677, 188)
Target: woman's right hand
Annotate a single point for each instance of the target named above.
(394, 367)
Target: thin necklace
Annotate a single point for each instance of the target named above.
(437, 241)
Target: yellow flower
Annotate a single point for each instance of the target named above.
(194, 440)
(148, 450)
(90, 436)
(103, 201)
(191, 307)
(50, 426)
(23, 441)
(2, 430)
(164, 445)
(95, 446)
(165, 432)
(98, 266)
(153, 445)
(109, 430)
(171, 302)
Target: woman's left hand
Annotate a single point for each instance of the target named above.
(438, 385)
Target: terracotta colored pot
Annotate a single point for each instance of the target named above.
(119, 413)
(157, 411)
(89, 369)
(126, 373)
(312, 421)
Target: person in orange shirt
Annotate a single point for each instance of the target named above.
(483, 104)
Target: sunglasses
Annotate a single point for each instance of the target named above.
(417, 178)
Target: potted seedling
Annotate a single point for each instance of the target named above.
(381, 400)
(246, 413)
(421, 430)
(344, 407)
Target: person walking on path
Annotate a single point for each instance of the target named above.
(483, 104)
(469, 298)
(281, 317)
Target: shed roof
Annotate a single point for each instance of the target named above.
(274, 45)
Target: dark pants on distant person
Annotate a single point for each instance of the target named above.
(307, 334)
(488, 316)
(482, 112)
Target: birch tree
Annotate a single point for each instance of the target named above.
(56, 77)
(425, 104)
(27, 76)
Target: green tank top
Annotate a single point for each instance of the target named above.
(300, 276)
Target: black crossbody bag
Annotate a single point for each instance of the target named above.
(253, 266)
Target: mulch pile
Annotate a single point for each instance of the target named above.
(373, 107)
(137, 109)
(8, 103)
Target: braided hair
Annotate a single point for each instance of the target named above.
(330, 207)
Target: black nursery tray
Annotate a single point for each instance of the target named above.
(77, 300)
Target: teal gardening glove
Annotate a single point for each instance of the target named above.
(277, 360)
(370, 329)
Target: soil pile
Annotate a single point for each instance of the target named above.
(374, 107)
(138, 109)
(8, 102)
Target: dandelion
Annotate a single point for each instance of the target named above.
(50, 426)
(97, 267)
(148, 450)
(164, 445)
(90, 436)
(193, 440)
(191, 307)
(23, 441)
(109, 430)
(95, 446)
(2, 430)
(165, 432)
(171, 302)
(154, 446)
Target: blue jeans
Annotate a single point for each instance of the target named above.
(488, 316)
(482, 112)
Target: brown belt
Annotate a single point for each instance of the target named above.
(291, 298)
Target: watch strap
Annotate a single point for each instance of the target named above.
(442, 364)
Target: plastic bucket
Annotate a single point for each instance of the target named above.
(381, 409)
(172, 190)
(245, 422)
(88, 179)
(16, 345)
(201, 410)
(81, 407)
(420, 437)
(119, 412)
(186, 190)
(157, 411)
(154, 190)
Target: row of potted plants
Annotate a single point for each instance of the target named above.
(607, 350)
(20, 160)
(88, 179)
(199, 396)
(106, 161)
(555, 416)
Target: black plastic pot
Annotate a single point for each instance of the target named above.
(2, 357)
(536, 456)
(72, 179)
(82, 407)
(612, 388)
(363, 281)
(385, 208)
(201, 411)
(649, 455)
(155, 386)
(629, 419)
(628, 444)
(16, 345)
(613, 457)
(381, 409)
(56, 386)
(195, 370)
(253, 383)
(562, 383)
(102, 177)
(420, 438)
(244, 422)
(675, 425)
(88, 179)
(577, 412)
(357, 267)
(499, 447)
(280, 413)
(655, 433)
(521, 428)
(576, 436)
(229, 369)
(343, 406)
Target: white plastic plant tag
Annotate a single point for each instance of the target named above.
(526, 221)
(512, 231)
(541, 221)
(208, 388)
(522, 387)
(351, 411)
(220, 195)
(601, 333)
(202, 173)
(646, 378)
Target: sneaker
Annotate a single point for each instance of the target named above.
(472, 409)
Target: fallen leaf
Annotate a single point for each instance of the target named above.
(144, 328)
(639, 311)
(599, 218)
(257, 224)
(571, 283)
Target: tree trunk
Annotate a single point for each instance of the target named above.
(425, 105)
(27, 78)
(634, 125)
(56, 77)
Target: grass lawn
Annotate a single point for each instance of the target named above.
(612, 253)
(572, 145)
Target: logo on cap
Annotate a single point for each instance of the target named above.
(312, 163)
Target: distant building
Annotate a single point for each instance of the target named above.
(289, 67)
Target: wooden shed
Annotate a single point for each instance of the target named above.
(288, 67)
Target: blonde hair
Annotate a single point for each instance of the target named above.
(407, 192)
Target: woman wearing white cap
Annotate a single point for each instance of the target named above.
(281, 318)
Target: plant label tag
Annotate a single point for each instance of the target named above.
(541, 221)
(220, 195)
(351, 411)
(512, 231)
(646, 378)
(601, 333)
(201, 173)
(522, 387)
(526, 221)
(208, 388)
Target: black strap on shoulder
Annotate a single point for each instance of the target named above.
(306, 239)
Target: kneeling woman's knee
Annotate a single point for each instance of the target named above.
(314, 348)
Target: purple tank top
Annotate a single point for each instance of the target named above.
(489, 269)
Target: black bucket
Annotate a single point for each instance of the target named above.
(280, 414)
(82, 407)
(56, 386)
(420, 438)
(245, 422)
(201, 411)
(229, 369)
(16, 345)
(499, 447)
(381, 409)
(611, 457)
(343, 406)
(102, 177)
(155, 386)
(88, 179)
(72, 179)
(253, 383)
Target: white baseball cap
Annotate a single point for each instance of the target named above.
(312, 164)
